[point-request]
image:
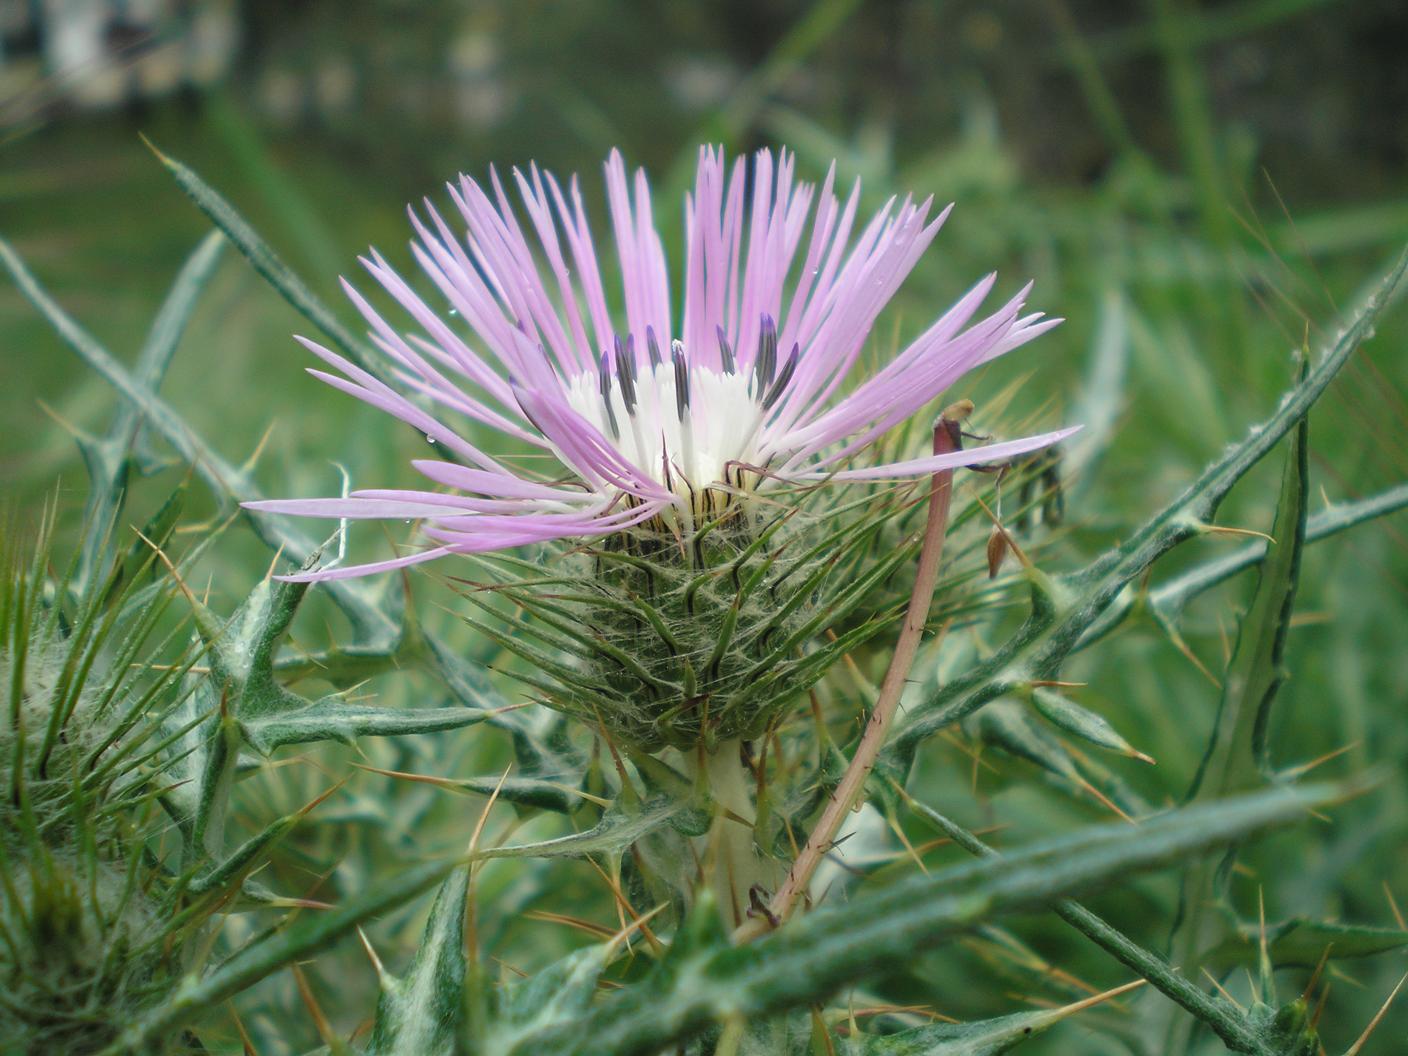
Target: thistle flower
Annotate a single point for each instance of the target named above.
(656, 420)
(696, 603)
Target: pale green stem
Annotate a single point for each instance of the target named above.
(734, 862)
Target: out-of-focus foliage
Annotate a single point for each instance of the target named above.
(1205, 191)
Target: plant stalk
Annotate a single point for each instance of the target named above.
(947, 438)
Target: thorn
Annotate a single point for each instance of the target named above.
(1320, 1010)
(161, 556)
(510, 967)
(641, 922)
(253, 459)
(320, 1021)
(1192, 657)
(470, 922)
(898, 830)
(1105, 800)
(269, 572)
(1393, 907)
(484, 814)
(371, 954)
(1315, 975)
(637, 921)
(1105, 995)
(313, 804)
(1222, 529)
(1223, 991)
(154, 149)
(245, 1040)
(590, 927)
(1305, 768)
(1358, 1046)
(76, 431)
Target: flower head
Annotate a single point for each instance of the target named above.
(655, 419)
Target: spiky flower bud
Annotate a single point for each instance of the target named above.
(80, 958)
(664, 639)
(83, 951)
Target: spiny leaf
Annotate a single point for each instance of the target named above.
(535, 792)
(1006, 725)
(814, 955)
(265, 261)
(419, 1015)
(1080, 722)
(1237, 754)
(110, 459)
(1302, 942)
(1224, 1018)
(988, 1037)
(1167, 602)
(1076, 602)
(227, 481)
(618, 828)
(373, 626)
(309, 932)
(244, 856)
(556, 994)
(333, 719)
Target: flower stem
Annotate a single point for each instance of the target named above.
(946, 439)
(735, 863)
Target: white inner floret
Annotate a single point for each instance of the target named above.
(684, 444)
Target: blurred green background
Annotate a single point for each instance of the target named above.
(1202, 185)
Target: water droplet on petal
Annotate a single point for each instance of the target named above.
(429, 438)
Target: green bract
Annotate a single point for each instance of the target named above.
(679, 641)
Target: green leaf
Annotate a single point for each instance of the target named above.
(836, 946)
(1102, 394)
(110, 459)
(554, 997)
(987, 1037)
(243, 857)
(1077, 601)
(1237, 753)
(420, 1015)
(1007, 725)
(365, 609)
(1224, 1018)
(618, 828)
(308, 932)
(1080, 722)
(1167, 602)
(265, 261)
(1236, 757)
(140, 556)
(536, 793)
(1301, 942)
(227, 481)
(332, 719)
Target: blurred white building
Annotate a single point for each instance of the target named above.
(94, 54)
